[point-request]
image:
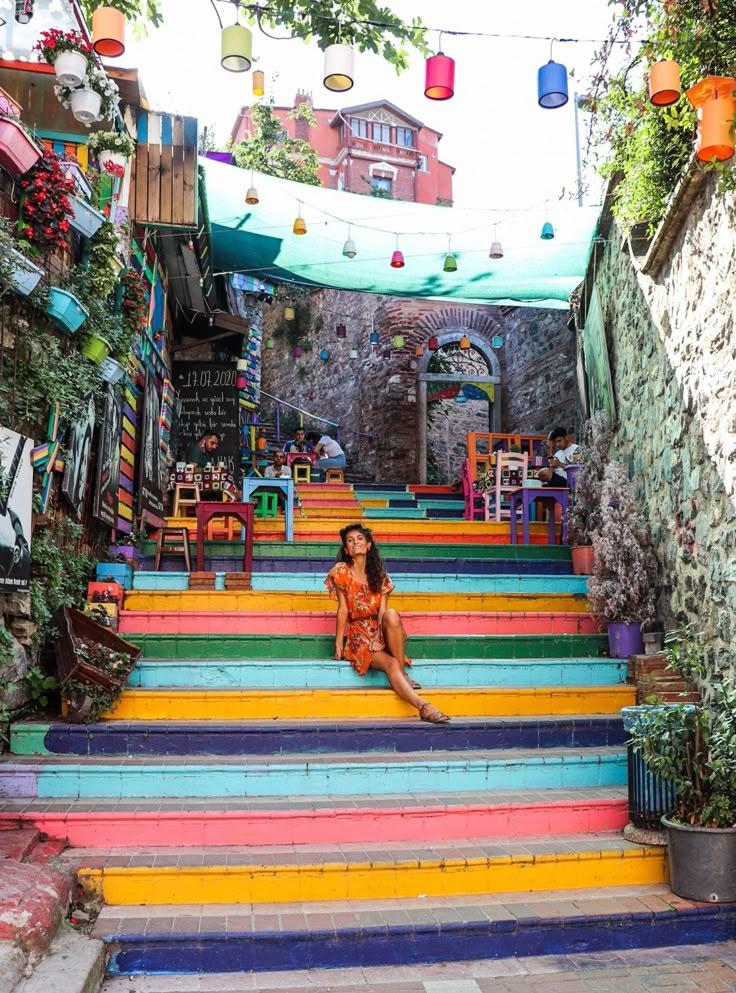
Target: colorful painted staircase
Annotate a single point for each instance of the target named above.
(254, 805)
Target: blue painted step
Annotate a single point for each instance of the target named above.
(287, 738)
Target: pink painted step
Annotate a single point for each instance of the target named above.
(183, 828)
(323, 622)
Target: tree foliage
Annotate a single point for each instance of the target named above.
(270, 149)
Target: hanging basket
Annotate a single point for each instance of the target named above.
(113, 163)
(66, 309)
(26, 274)
(86, 106)
(84, 218)
(70, 68)
(18, 152)
(95, 348)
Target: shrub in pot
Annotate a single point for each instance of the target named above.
(693, 747)
(584, 515)
(621, 589)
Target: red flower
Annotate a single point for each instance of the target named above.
(29, 232)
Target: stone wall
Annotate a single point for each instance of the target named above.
(672, 341)
(374, 396)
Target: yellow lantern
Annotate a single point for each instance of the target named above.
(259, 83)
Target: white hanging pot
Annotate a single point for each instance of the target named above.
(86, 106)
(70, 68)
(112, 162)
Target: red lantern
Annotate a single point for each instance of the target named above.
(397, 260)
(341, 331)
(439, 79)
(433, 344)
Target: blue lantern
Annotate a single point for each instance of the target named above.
(552, 85)
(324, 355)
(496, 341)
(548, 232)
(373, 337)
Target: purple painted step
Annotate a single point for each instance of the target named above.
(426, 567)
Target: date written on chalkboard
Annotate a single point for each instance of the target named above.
(207, 378)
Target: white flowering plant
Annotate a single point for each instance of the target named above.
(98, 80)
(111, 141)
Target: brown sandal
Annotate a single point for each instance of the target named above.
(429, 713)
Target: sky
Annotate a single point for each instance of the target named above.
(507, 151)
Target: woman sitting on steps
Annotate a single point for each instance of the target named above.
(369, 634)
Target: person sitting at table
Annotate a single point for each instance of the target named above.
(201, 452)
(278, 468)
(298, 443)
(328, 452)
(562, 454)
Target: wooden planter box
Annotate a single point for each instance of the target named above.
(73, 627)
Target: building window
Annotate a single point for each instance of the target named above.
(381, 185)
(341, 132)
(382, 132)
(405, 137)
(358, 127)
(341, 180)
(423, 163)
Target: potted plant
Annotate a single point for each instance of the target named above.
(622, 587)
(18, 151)
(68, 52)
(85, 218)
(45, 207)
(96, 99)
(64, 307)
(16, 271)
(112, 150)
(693, 747)
(584, 514)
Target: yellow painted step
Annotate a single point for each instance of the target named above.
(287, 600)
(119, 886)
(383, 526)
(270, 704)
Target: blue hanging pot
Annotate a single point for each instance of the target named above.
(552, 85)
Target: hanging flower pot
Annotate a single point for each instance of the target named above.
(113, 163)
(664, 83)
(86, 105)
(70, 68)
(25, 276)
(18, 151)
(95, 348)
(111, 371)
(108, 32)
(66, 309)
(84, 218)
(713, 98)
(72, 169)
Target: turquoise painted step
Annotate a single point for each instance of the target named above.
(321, 647)
(404, 583)
(296, 674)
(393, 513)
(521, 769)
(383, 495)
(390, 550)
(441, 504)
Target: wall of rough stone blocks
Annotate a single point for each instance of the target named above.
(374, 396)
(672, 343)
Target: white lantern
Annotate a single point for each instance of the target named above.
(339, 71)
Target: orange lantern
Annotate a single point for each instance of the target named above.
(108, 32)
(262, 442)
(465, 342)
(664, 83)
(713, 98)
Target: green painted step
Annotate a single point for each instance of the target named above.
(389, 550)
(262, 646)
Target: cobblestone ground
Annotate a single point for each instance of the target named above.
(685, 969)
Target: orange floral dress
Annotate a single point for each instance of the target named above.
(362, 626)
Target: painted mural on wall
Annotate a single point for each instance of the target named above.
(108, 459)
(16, 507)
(597, 367)
(150, 483)
(79, 450)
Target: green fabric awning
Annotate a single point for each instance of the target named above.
(258, 240)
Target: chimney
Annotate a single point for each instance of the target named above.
(301, 127)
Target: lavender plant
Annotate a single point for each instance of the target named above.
(584, 516)
(622, 587)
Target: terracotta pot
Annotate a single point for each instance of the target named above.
(582, 560)
(664, 83)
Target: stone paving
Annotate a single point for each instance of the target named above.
(685, 969)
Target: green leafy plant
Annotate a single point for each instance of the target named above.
(270, 149)
(60, 573)
(112, 141)
(297, 331)
(7, 643)
(40, 684)
(694, 746)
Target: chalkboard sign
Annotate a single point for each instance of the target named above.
(207, 400)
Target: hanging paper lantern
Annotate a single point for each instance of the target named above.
(341, 331)
(664, 83)
(324, 355)
(552, 85)
(397, 260)
(251, 196)
(297, 351)
(450, 263)
(461, 398)
(433, 344)
(269, 342)
(349, 250)
(548, 232)
(715, 131)
(236, 52)
(496, 251)
(259, 81)
(419, 351)
(289, 313)
(242, 365)
(496, 341)
(353, 353)
(465, 342)
(439, 77)
(374, 337)
(339, 68)
(300, 226)
(241, 382)
(398, 341)
(23, 11)
(108, 32)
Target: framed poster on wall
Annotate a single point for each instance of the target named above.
(79, 450)
(16, 508)
(597, 367)
(150, 482)
(108, 459)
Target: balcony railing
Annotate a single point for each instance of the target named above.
(382, 148)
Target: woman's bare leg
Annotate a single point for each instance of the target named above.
(394, 638)
(397, 677)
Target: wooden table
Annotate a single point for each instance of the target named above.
(243, 512)
(526, 495)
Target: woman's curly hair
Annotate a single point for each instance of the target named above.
(374, 568)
